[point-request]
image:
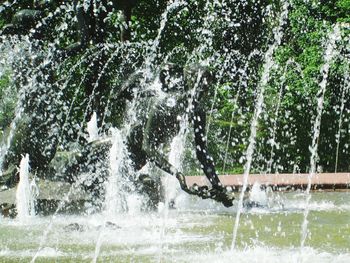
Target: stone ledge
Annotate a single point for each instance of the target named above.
(281, 182)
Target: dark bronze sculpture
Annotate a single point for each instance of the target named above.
(161, 123)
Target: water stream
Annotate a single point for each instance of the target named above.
(345, 93)
(273, 129)
(329, 54)
(25, 194)
(268, 64)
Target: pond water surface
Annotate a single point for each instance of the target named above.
(197, 231)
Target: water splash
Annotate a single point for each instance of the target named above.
(257, 195)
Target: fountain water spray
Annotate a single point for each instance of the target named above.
(95, 86)
(25, 195)
(170, 183)
(269, 62)
(345, 93)
(329, 54)
(92, 128)
(243, 85)
(258, 196)
(119, 194)
(176, 155)
(273, 129)
(114, 189)
(20, 50)
(153, 49)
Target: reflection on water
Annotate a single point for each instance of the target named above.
(198, 230)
